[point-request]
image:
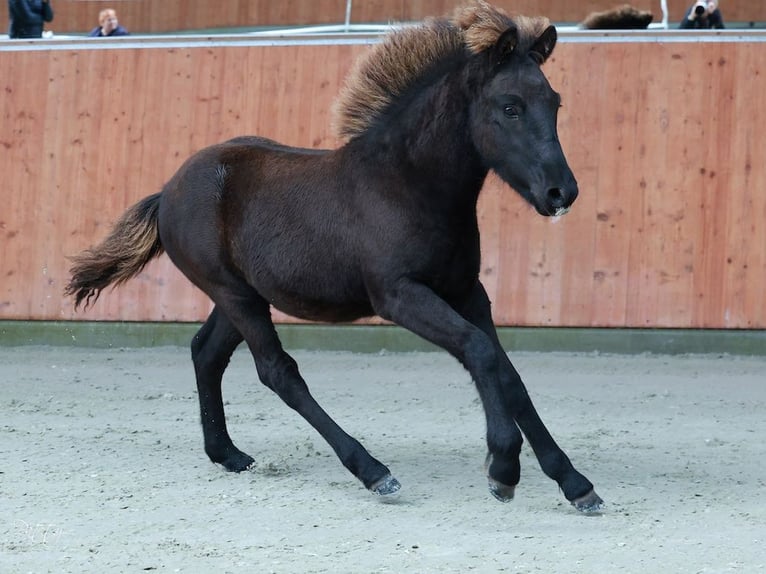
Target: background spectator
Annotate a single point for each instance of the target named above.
(27, 17)
(703, 15)
(108, 25)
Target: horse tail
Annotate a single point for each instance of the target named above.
(132, 243)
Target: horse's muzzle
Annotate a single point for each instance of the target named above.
(558, 200)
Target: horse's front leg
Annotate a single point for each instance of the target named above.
(553, 461)
(470, 336)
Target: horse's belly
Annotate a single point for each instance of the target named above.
(312, 309)
(313, 292)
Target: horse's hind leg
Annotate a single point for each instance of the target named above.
(278, 371)
(212, 348)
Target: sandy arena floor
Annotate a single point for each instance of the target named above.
(102, 467)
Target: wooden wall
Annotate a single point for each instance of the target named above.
(151, 16)
(666, 141)
(556, 10)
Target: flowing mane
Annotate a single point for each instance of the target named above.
(389, 68)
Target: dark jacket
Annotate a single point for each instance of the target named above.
(27, 18)
(714, 20)
(118, 31)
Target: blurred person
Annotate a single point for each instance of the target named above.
(27, 17)
(703, 15)
(108, 25)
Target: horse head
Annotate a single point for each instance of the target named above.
(513, 114)
(510, 108)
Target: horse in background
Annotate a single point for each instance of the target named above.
(384, 225)
(624, 17)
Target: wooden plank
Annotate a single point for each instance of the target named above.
(556, 10)
(741, 119)
(25, 155)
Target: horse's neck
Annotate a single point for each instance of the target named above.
(428, 139)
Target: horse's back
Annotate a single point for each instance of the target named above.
(258, 142)
(222, 183)
(241, 163)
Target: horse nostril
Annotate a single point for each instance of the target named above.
(556, 197)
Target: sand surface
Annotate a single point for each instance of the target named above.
(102, 467)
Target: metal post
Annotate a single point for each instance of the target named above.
(348, 15)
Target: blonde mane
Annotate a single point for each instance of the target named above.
(389, 68)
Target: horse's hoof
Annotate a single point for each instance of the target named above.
(502, 492)
(238, 463)
(385, 486)
(590, 503)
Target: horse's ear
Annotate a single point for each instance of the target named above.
(543, 46)
(505, 45)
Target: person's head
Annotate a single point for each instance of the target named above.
(705, 7)
(107, 19)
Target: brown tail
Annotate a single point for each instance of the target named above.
(133, 242)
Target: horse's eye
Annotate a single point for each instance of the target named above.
(511, 111)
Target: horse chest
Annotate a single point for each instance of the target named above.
(447, 265)
(454, 281)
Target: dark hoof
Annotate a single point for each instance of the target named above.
(386, 486)
(502, 492)
(590, 503)
(237, 462)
